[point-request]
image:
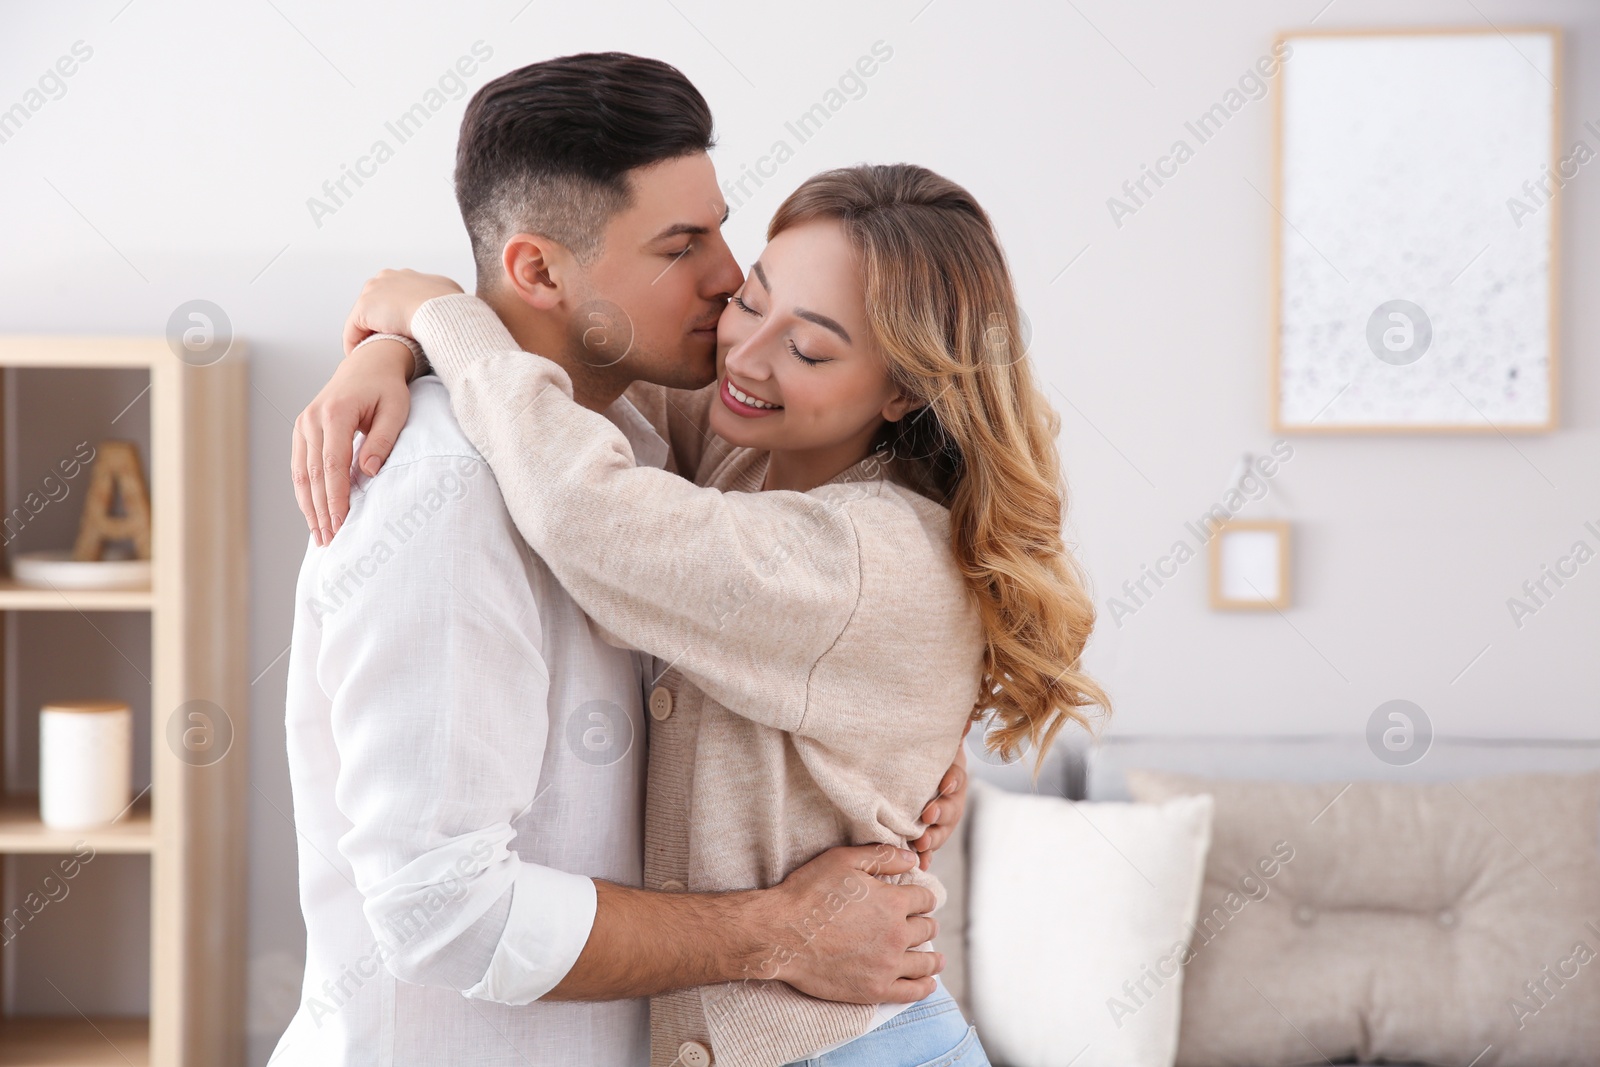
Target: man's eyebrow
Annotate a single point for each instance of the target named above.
(690, 229)
(810, 316)
(682, 229)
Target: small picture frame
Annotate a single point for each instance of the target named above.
(1250, 565)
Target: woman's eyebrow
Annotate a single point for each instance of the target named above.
(824, 322)
(810, 316)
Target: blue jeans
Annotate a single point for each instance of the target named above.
(930, 1033)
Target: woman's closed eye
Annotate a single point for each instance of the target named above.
(802, 357)
(794, 349)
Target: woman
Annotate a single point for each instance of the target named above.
(873, 559)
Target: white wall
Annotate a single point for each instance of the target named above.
(180, 159)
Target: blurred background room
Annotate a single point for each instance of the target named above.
(1311, 283)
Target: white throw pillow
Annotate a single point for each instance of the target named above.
(1078, 925)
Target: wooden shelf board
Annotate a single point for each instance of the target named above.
(74, 1042)
(21, 831)
(15, 597)
(76, 352)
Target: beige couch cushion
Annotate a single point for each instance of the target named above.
(1444, 923)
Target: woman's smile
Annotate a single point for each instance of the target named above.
(744, 404)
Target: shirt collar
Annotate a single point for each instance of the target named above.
(649, 447)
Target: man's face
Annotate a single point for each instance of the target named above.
(652, 300)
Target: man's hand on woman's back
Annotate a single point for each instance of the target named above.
(835, 929)
(849, 935)
(944, 811)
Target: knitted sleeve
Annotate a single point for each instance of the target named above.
(743, 592)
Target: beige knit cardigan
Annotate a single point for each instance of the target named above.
(824, 653)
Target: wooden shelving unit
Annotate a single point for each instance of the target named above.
(21, 832)
(191, 821)
(14, 597)
(74, 1043)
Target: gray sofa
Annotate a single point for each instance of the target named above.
(1077, 770)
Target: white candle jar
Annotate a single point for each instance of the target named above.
(85, 762)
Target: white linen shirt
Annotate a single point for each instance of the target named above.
(464, 752)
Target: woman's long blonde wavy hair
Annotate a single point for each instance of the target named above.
(942, 308)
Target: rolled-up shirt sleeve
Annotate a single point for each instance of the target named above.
(430, 654)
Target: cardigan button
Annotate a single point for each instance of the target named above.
(694, 1054)
(672, 885)
(660, 702)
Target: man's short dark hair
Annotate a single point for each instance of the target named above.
(547, 148)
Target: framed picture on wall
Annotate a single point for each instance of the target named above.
(1250, 565)
(1417, 183)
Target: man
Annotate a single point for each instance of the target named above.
(465, 750)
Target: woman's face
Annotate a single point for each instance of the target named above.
(797, 368)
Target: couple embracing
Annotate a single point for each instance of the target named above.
(635, 646)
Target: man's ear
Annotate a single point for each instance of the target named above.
(536, 268)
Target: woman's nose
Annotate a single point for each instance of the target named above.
(746, 359)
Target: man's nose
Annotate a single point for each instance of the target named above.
(725, 277)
